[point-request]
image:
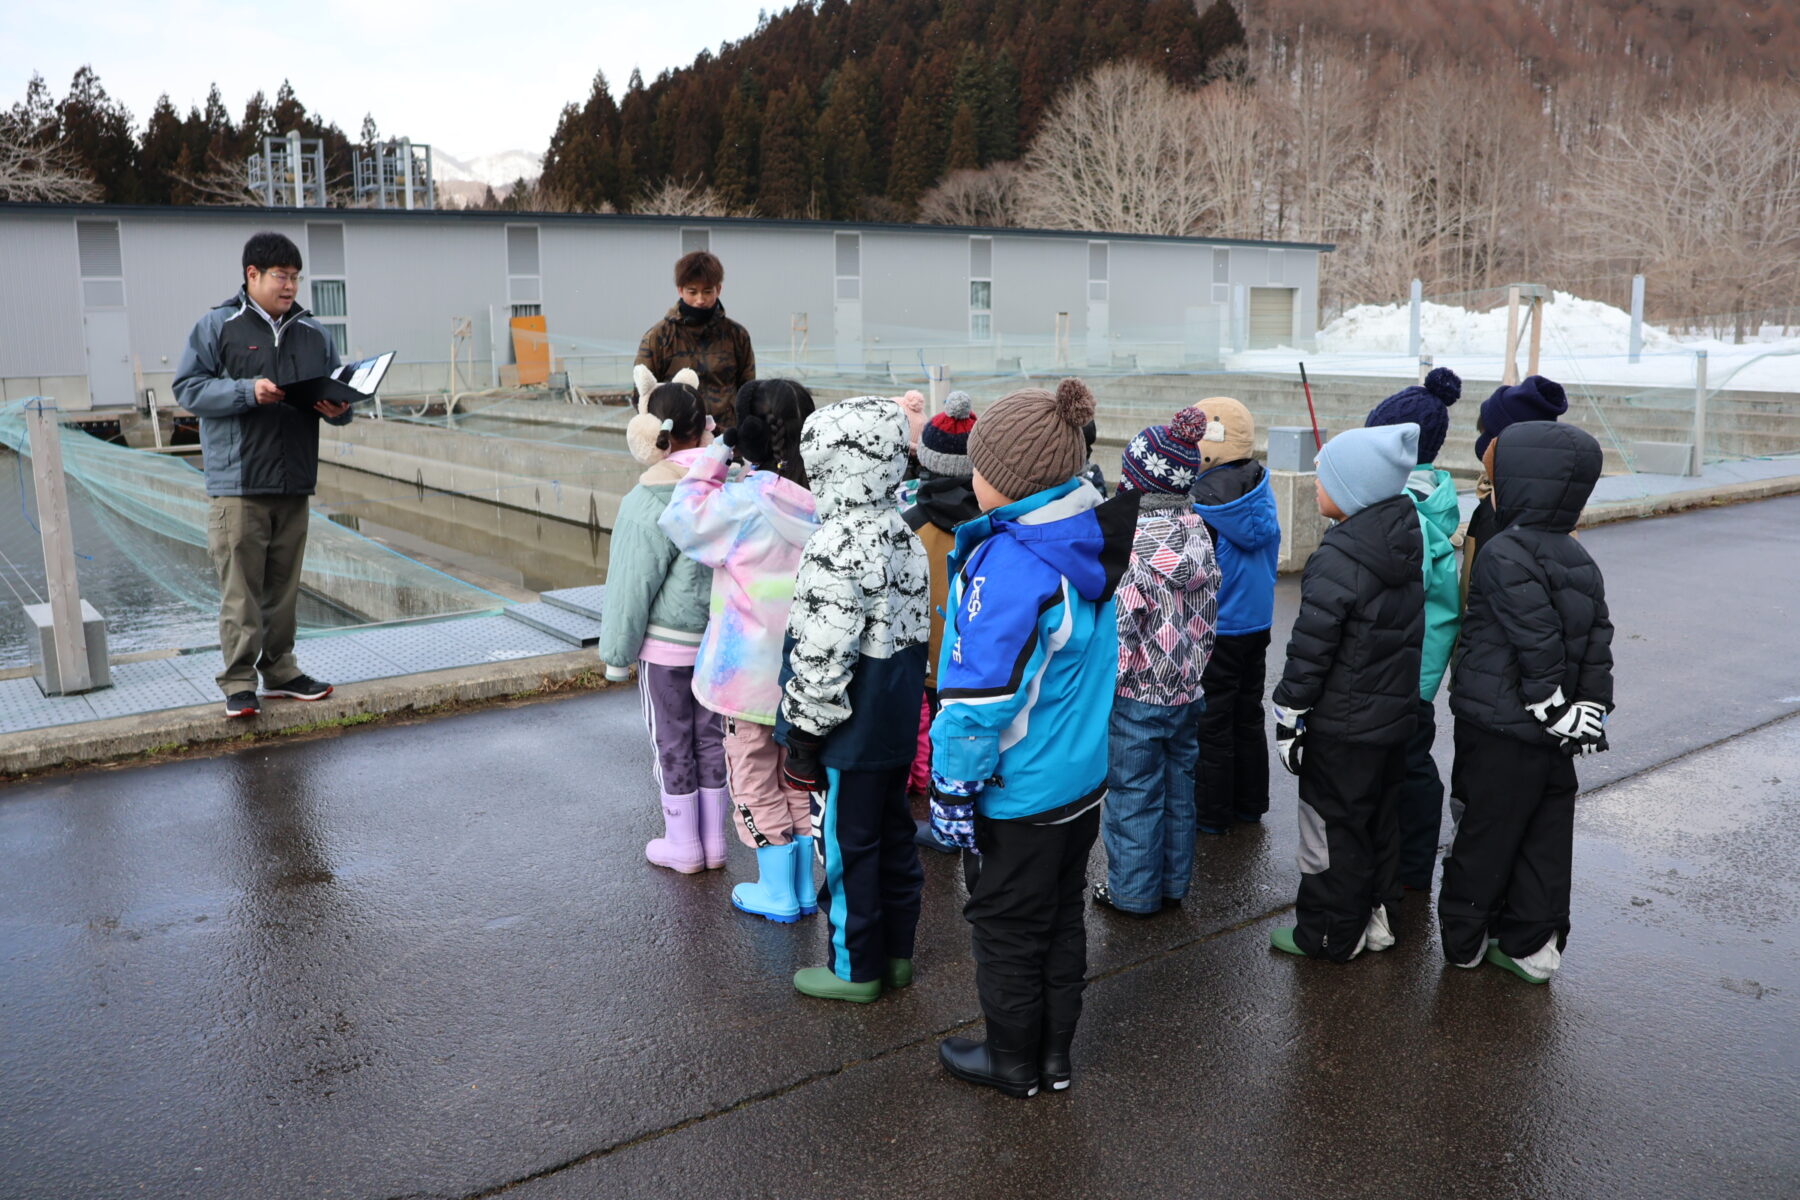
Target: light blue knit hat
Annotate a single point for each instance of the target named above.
(1360, 467)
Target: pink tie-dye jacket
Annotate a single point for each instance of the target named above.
(1167, 605)
(751, 532)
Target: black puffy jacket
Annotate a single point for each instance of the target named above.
(1536, 619)
(1353, 658)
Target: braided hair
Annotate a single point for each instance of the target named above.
(771, 414)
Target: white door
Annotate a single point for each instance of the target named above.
(1099, 318)
(111, 381)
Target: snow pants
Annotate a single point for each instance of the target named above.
(1349, 841)
(1027, 912)
(873, 879)
(1231, 774)
(1508, 871)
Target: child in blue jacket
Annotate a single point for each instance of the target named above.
(1232, 495)
(1019, 746)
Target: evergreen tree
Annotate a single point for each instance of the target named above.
(625, 177)
(370, 136)
(159, 152)
(637, 119)
(999, 120)
(1219, 31)
(965, 143)
(787, 175)
(288, 113)
(734, 172)
(97, 131)
(915, 163)
(845, 158)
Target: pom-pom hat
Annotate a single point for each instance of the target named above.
(1533, 398)
(1165, 458)
(944, 445)
(1426, 405)
(1031, 440)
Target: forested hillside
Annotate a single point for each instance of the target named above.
(841, 109)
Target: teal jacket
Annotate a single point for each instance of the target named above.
(652, 589)
(1434, 495)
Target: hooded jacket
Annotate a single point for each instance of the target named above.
(717, 349)
(1166, 606)
(1031, 653)
(653, 593)
(1433, 493)
(939, 505)
(1238, 506)
(1353, 657)
(254, 449)
(854, 669)
(750, 533)
(1537, 618)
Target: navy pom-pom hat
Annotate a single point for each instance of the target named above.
(1426, 405)
(1533, 398)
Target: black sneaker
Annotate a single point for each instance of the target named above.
(241, 704)
(1104, 898)
(300, 687)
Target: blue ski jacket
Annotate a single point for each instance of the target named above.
(1031, 652)
(1247, 540)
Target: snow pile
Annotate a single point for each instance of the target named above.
(1571, 326)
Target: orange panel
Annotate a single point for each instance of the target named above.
(531, 349)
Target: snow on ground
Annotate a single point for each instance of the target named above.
(1584, 342)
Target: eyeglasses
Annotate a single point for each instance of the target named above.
(284, 278)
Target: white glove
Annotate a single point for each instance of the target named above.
(1290, 740)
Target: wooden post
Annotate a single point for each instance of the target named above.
(1510, 373)
(1537, 333)
(72, 667)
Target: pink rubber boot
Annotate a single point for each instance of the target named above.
(713, 805)
(678, 848)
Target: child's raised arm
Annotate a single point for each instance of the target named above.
(703, 520)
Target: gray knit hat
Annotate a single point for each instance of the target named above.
(1031, 440)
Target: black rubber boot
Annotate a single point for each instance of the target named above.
(1008, 1060)
(1054, 1067)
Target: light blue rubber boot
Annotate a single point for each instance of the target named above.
(771, 896)
(805, 890)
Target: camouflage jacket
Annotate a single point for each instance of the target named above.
(718, 351)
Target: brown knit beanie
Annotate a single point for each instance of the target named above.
(1032, 440)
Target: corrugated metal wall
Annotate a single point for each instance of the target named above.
(604, 281)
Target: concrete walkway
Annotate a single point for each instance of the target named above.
(428, 960)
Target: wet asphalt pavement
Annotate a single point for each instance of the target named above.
(429, 960)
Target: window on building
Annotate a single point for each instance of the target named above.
(695, 239)
(524, 283)
(981, 289)
(847, 249)
(102, 264)
(1097, 272)
(325, 275)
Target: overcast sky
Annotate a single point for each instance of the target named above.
(468, 77)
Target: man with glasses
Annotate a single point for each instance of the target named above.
(262, 462)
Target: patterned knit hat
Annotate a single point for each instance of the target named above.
(1426, 405)
(944, 446)
(1031, 440)
(1164, 458)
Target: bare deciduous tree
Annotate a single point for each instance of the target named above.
(677, 198)
(987, 197)
(1704, 201)
(1119, 152)
(36, 168)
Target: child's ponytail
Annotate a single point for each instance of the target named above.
(682, 415)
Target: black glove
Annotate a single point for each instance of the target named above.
(800, 769)
(730, 438)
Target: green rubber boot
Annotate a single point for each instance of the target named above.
(1501, 959)
(899, 973)
(823, 983)
(1283, 939)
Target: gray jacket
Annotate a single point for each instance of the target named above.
(254, 449)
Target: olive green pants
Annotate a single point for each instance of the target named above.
(257, 544)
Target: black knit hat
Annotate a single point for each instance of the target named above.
(944, 443)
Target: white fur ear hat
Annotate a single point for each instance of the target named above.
(641, 431)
